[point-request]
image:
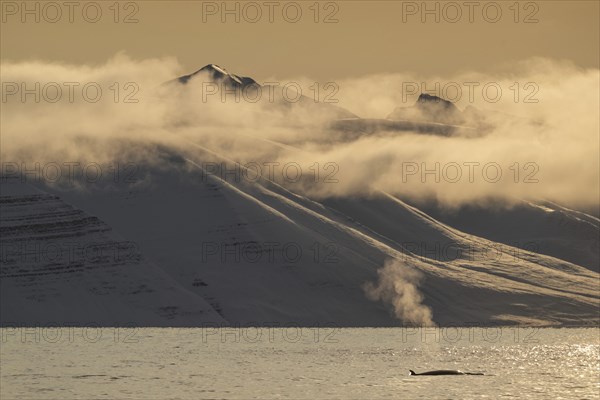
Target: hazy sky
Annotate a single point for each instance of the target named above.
(369, 37)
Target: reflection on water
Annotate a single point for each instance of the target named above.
(299, 363)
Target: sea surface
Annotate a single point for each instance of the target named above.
(298, 363)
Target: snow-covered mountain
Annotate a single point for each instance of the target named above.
(192, 267)
(186, 246)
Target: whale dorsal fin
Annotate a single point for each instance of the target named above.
(412, 372)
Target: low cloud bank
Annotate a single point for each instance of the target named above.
(544, 150)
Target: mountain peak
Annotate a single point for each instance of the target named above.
(431, 109)
(219, 74)
(425, 98)
(213, 69)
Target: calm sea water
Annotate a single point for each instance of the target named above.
(298, 363)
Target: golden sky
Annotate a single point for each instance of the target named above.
(368, 37)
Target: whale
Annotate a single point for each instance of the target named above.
(444, 372)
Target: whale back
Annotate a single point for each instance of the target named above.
(443, 372)
(439, 372)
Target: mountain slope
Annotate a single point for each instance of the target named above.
(541, 227)
(63, 266)
(211, 237)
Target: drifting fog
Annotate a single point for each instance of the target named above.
(554, 141)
